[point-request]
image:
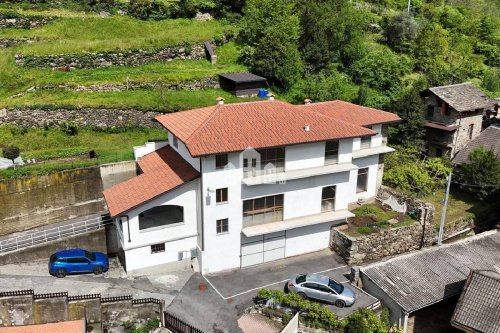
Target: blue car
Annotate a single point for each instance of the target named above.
(66, 262)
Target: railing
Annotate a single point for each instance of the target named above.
(63, 231)
(177, 325)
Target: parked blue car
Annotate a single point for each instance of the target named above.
(71, 261)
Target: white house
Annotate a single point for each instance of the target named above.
(246, 183)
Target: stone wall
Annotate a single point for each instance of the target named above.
(130, 57)
(11, 41)
(424, 211)
(12, 20)
(86, 117)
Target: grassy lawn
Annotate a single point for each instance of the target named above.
(56, 148)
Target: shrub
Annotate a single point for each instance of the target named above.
(69, 128)
(140, 9)
(11, 152)
(365, 210)
(364, 230)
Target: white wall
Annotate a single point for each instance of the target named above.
(304, 156)
(370, 162)
(307, 239)
(149, 147)
(142, 257)
(345, 150)
(184, 152)
(377, 139)
(356, 144)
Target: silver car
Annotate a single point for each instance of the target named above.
(322, 288)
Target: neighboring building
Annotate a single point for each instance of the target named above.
(242, 84)
(410, 283)
(72, 326)
(478, 309)
(246, 183)
(454, 117)
(489, 139)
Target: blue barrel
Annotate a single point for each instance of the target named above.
(262, 93)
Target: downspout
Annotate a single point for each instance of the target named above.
(201, 208)
(128, 227)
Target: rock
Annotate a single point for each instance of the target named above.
(104, 14)
(203, 17)
(121, 12)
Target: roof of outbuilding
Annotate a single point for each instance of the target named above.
(73, 326)
(352, 113)
(489, 139)
(479, 306)
(462, 97)
(243, 77)
(421, 278)
(271, 123)
(163, 171)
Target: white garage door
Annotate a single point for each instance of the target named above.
(260, 249)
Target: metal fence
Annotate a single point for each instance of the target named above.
(177, 325)
(63, 231)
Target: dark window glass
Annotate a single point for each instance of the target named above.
(221, 195)
(331, 152)
(362, 183)
(439, 152)
(222, 225)
(263, 210)
(328, 199)
(221, 161)
(366, 142)
(273, 156)
(471, 131)
(160, 216)
(156, 248)
(300, 279)
(77, 260)
(175, 141)
(336, 286)
(53, 258)
(313, 286)
(90, 255)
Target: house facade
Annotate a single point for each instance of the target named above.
(242, 184)
(454, 117)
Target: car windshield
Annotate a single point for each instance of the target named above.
(90, 255)
(336, 286)
(300, 279)
(53, 258)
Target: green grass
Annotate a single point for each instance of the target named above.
(43, 144)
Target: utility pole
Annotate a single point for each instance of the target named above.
(443, 213)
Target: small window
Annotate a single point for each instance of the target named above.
(221, 161)
(471, 131)
(175, 141)
(366, 142)
(77, 260)
(221, 195)
(447, 110)
(157, 248)
(331, 152)
(362, 183)
(430, 111)
(328, 199)
(222, 226)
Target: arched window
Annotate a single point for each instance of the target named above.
(161, 216)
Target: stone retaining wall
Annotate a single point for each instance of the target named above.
(12, 20)
(86, 117)
(11, 41)
(131, 57)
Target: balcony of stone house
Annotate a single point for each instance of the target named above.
(441, 113)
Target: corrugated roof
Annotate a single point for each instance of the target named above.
(74, 326)
(441, 127)
(243, 77)
(421, 278)
(271, 123)
(489, 139)
(479, 306)
(163, 171)
(463, 96)
(352, 113)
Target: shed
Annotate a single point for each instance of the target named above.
(242, 84)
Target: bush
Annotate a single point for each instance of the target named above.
(364, 230)
(69, 128)
(140, 9)
(365, 210)
(11, 152)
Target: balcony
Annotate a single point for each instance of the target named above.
(276, 177)
(297, 222)
(371, 151)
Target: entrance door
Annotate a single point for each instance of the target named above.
(260, 249)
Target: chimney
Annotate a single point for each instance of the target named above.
(220, 100)
(270, 96)
(307, 101)
(307, 127)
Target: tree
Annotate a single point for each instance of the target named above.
(270, 28)
(11, 152)
(481, 175)
(140, 9)
(401, 31)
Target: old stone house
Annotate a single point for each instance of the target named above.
(454, 117)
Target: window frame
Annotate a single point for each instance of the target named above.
(276, 156)
(224, 224)
(328, 199)
(363, 142)
(219, 194)
(157, 248)
(265, 212)
(332, 154)
(365, 174)
(224, 157)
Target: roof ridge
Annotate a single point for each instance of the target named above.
(454, 85)
(203, 124)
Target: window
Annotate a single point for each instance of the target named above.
(77, 260)
(471, 131)
(362, 183)
(365, 142)
(221, 161)
(221, 195)
(263, 210)
(157, 248)
(447, 110)
(328, 199)
(161, 216)
(222, 226)
(275, 156)
(175, 141)
(430, 111)
(331, 152)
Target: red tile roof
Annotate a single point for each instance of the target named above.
(235, 127)
(352, 113)
(74, 326)
(163, 171)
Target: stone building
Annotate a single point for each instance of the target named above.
(454, 117)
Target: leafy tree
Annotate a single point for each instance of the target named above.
(491, 80)
(364, 321)
(270, 28)
(140, 9)
(11, 152)
(401, 32)
(481, 175)
(189, 8)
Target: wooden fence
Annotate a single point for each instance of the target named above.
(177, 325)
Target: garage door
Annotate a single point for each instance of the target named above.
(260, 249)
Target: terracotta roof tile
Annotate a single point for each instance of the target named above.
(235, 127)
(163, 171)
(352, 113)
(74, 326)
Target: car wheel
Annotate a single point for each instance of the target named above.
(98, 270)
(339, 303)
(60, 273)
(302, 295)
